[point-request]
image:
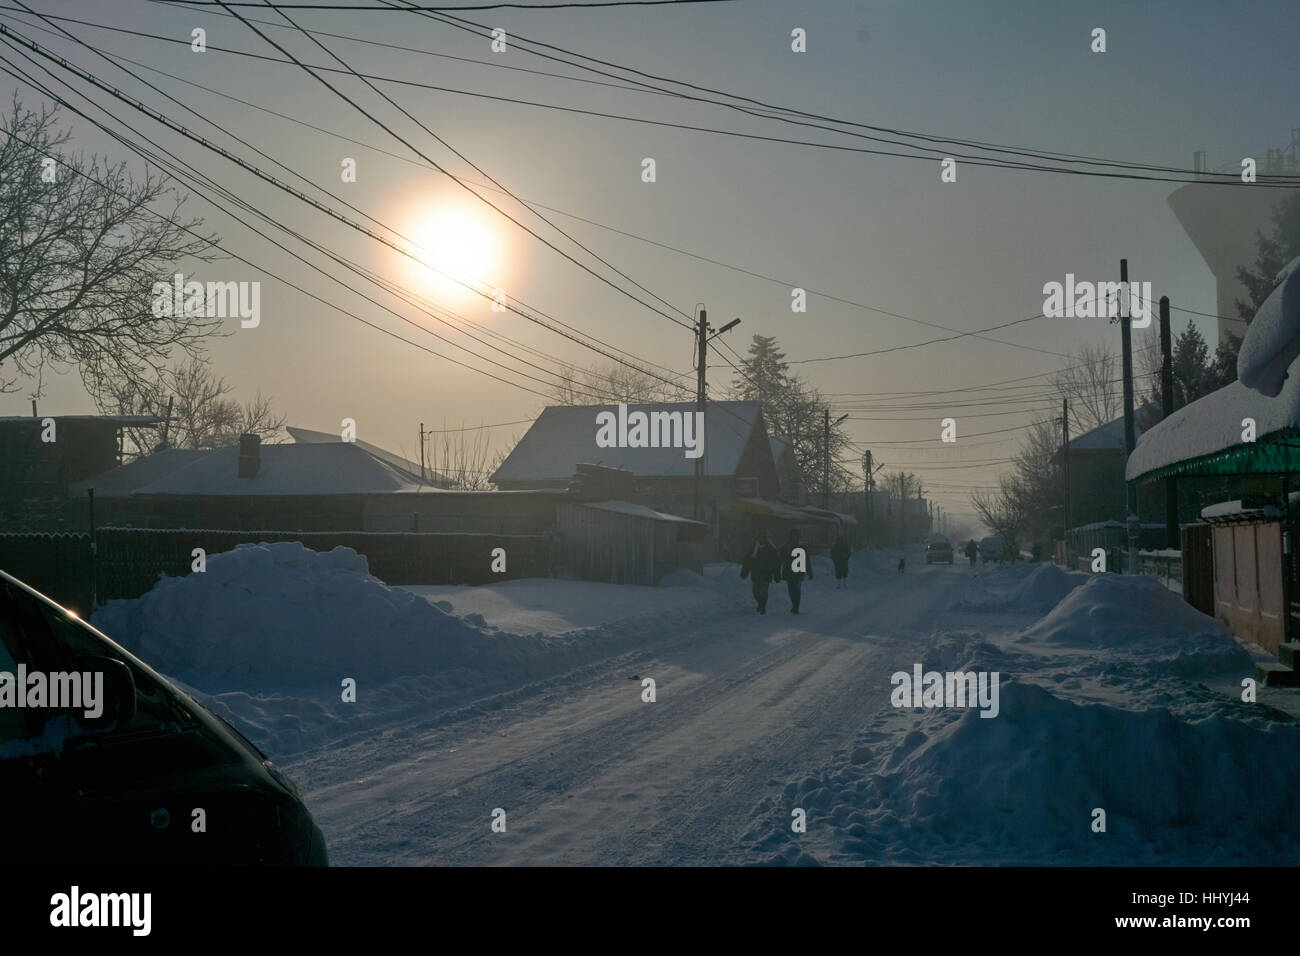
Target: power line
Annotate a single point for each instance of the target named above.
(163, 164)
(468, 24)
(183, 131)
(914, 345)
(367, 8)
(393, 133)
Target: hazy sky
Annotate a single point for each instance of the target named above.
(881, 231)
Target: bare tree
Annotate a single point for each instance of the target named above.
(612, 383)
(82, 244)
(1090, 381)
(465, 458)
(202, 414)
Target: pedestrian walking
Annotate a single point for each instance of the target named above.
(840, 556)
(794, 577)
(762, 567)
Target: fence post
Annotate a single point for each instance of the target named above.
(90, 493)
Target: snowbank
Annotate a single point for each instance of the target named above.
(283, 614)
(1029, 588)
(1120, 610)
(1022, 788)
(267, 634)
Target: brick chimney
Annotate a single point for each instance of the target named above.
(250, 455)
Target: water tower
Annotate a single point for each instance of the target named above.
(1223, 221)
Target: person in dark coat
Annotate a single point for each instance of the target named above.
(793, 578)
(902, 563)
(972, 549)
(761, 566)
(840, 555)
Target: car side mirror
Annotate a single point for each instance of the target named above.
(110, 694)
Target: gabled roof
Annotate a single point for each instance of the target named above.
(564, 436)
(1110, 435)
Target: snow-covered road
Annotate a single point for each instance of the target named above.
(589, 773)
(1123, 733)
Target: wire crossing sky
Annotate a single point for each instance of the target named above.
(834, 174)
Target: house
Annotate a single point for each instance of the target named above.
(736, 460)
(1097, 489)
(1236, 559)
(40, 457)
(310, 485)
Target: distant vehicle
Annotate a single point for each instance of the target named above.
(992, 548)
(938, 550)
(145, 777)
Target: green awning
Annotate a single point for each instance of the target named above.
(1270, 455)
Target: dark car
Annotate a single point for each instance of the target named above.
(146, 777)
(938, 551)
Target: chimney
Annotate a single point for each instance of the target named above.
(250, 455)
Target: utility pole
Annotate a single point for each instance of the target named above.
(869, 485)
(1065, 482)
(1130, 434)
(826, 458)
(702, 338)
(1167, 409)
(421, 452)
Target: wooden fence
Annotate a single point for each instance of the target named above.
(127, 562)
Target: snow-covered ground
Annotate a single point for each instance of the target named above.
(528, 696)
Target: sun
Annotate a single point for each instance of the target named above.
(459, 250)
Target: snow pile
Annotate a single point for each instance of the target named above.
(284, 614)
(1122, 610)
(266, 635)
(1030, 588)
(1022, 788)
(683, 578)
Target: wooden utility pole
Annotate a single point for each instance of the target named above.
(1167, 409)
(1065, 482)
(870, 486)
(702, 340)
(421, 452)
(1130, 432)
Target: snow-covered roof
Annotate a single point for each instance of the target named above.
(1108, 436)
(1213, 425)
(638, 511)
(338, 468)
(125, 479)
(1206, 436)
(565, 436)
(308, 436)
(1272, 341)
